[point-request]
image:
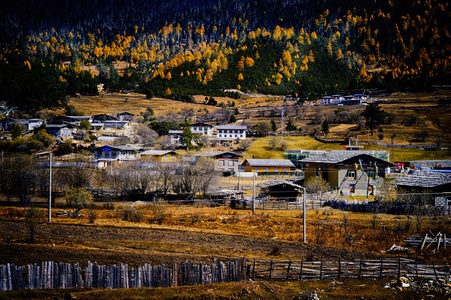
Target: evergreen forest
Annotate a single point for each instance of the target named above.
(175, 49)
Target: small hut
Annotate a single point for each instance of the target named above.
(280, 190)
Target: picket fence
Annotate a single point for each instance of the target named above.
(51, 275)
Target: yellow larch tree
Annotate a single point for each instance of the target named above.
(249, 62)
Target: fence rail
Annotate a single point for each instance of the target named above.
(318, 270)
(51, 275)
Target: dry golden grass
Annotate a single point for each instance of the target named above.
(115, 103)
(363, 232)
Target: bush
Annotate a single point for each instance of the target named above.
(158, 209)
(132, 214)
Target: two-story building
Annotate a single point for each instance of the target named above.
(202, 129)
(61, 132)
(225, 162)
(226, 134)
(107, 155)
(350, 172)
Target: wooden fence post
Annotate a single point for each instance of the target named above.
(339, 267)
(444, 241)
(381, 269)
(270, 270)
(399, 266)
(360, 268)
(253, 271)
(302, 265)
(288, 269)
(321, 270)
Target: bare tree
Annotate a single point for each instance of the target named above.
(246, 143)
(165, 175)
(19, 176)
(316, 185)
(33, 217)
(192, 178)
(144, 134)
(77, 174)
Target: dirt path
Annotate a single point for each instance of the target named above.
(136, 246)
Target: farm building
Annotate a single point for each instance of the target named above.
(268, 166)
(350, 172)
(159, 155)
(436, 183)
(280, 190)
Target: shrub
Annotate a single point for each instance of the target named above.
(132, 214)
(158, 209)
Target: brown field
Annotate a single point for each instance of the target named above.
(165, 233)
(199, 233)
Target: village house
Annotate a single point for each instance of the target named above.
(105, 156)
(436, 183)
(126, 116)
(227, 134)
(202, 129)
(61, 132)
(176, 137)
(226, 162)
(351, 173)
(166, 156)
(115, 128)
(27, 124)
(71, 120)
(268, 166)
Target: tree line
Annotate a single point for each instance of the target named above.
(25, 177)
(371, 45)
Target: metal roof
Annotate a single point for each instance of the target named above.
(338, 156)
(242, 127)
(270, 163)
(276, 182)
(157, 152)
(216, 153)
(424, 179)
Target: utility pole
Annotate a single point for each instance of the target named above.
(304, 217)
(253, 193)
(283, 115)
(50, 187)
(50, 181)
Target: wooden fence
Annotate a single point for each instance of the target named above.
(318, 270)
(51, 275)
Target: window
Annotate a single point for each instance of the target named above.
(221, 163)
(231, 162)
(371, 190)
(276, 170)
(352, 188)
(318, 172)
(351, 175)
